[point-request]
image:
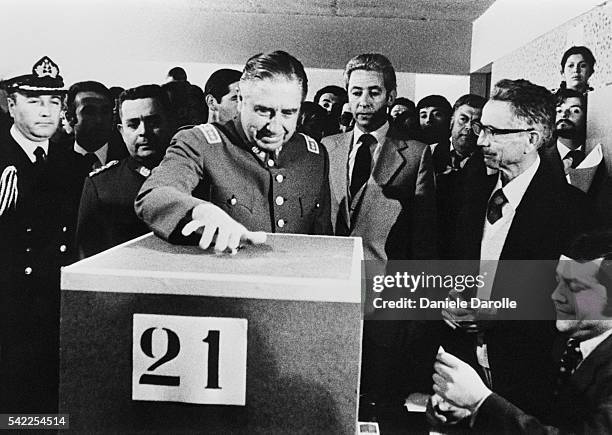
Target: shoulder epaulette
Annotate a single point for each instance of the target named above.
(103, 168)
(210, 133)
(311, 144)
(185, 127)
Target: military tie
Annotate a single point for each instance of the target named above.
(363, 164)
(41, 156)
(572, 356)
(576, 156)
(496, 204)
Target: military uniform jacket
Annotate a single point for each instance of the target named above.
(39, 207)
(106, 212)
(212, 163)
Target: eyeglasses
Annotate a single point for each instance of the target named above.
(477, 128)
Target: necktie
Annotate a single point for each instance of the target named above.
(576, 156)
(363, 164)
(572, 356)
(496, 203)
(91, 161)
(41, 156)
(455, 160)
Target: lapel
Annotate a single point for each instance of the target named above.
(585, 375)
(338, 162)
(604, 172)
(392, 157)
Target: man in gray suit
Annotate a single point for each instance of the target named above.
(381, 182)
(382, 190)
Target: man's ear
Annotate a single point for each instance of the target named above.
(391, 96)
(536, 140)
(120, 128)
(211, 102)
(11, 106)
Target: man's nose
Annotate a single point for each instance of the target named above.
(274, 125)
(558, 294)
(482, 141)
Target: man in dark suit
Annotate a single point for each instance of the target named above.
(89, 112)
(106, 212)
(382, 184)
(582, 391)
(590, 170)
(524, 215)
(39, 194)
(383, 191)
(455, 163)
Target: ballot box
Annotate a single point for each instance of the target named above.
(164, 338)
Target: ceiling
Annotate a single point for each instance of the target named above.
(457, 10)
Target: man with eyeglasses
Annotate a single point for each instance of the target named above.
(524, 211)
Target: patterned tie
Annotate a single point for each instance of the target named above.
(362, 165)
(41, 156)
(572, 356)
(576, 156)
(496, 203)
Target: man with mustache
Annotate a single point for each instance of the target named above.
(383, 191)
(253, 173)
(106, 211)
(590, 170)
(455, 162)
(582, 392)
(526, 211)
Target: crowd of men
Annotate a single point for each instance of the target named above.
(508, 178)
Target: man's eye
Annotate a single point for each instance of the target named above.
(577, 111)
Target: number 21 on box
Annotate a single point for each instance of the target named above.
(189, 359)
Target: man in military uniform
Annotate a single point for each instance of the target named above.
(106, 212)
(252, 173)
(39, 196)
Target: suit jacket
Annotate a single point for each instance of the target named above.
(394, 212)
(550, 214)
(106, 212)
(37, 239)
(285, 194)
(584, 406)
(599, 192)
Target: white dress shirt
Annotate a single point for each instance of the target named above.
(494, 235)
(28, 145)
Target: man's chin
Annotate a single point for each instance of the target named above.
(269, 145)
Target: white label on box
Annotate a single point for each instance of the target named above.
(189, 359)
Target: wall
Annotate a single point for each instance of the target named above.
(539, 60)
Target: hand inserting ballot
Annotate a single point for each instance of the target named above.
(229, 233)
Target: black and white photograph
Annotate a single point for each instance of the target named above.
(306, 216)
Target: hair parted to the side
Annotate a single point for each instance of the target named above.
(218, 83)
(590, 246)
(533, 104)
(86, 86)
(563, 94)
(155, 92)
(472, 100)
(582, 50)
(372, 62)
(331, 89)
(277, 64)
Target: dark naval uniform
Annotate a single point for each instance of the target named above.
(38, 209)
(106, 212)
(288, 193)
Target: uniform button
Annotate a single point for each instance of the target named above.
(280, 200)
(270, 163)
(280, 223)
(64, 229)
(317, 205)
(28, 270)
(63, 248)
(28, 249)
(28, 230)
(279, 178)
(233, 200)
